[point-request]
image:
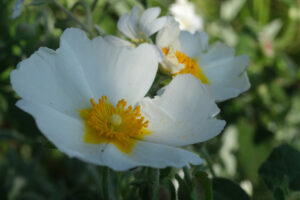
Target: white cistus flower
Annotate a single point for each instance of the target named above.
(184, 13)
(88, 98)
(139, 26)
(216, 65)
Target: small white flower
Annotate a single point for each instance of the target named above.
(87, 98)
(267, 36)
(184, 13)
(215, 65)
(140, 26)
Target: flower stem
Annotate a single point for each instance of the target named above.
(187, 175)
(208, 161)
(156, 174)
(73, 17)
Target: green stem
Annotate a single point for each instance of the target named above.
(156, 184)
(73, 17)
(187, 175)
(208, 161)
(94, 4)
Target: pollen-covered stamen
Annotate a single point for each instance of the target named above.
(120, 125)
(190, 65)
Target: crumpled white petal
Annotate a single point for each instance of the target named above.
(118, 41)
(148, 22)
(116, 71)
(168, 36)
(127, 24)
(225, 71)
(193, 44)
(183, 114)
(148, 154)
(67, 78)
(135, 26)
(42, 79)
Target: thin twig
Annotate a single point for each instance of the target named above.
(73, 17)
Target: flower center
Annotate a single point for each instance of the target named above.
(190, 66)
(120, 125)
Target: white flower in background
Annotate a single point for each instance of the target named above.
(267, 35)
(215, 65)
(139, 26)
(87, 98)
(247, 186)
(229, 147)
(184, 13)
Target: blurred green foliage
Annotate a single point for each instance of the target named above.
(263, 118)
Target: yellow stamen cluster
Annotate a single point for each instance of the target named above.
(190, 66)
(106, 123)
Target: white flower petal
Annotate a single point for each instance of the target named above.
(223, 70)
(148, 22)
(156, 26)
(149, 15)
(149, 154)
(114, 70)
(124, 27)
(118, 41)
(169, 34)
(127, 24)
(183, 114)
(231, 88)
(62, 130)
(67, 135)
(193, 44)
(41, 78)
(160, 156)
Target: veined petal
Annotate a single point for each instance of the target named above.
(156, 26)
(160, 156)
(127, 24)
(62, 130)
(47, 77)
(116, 71)
(223, 69)
(124, 27)
(230, 89)
(150, 15)
(118, 41)
(149, 154)
(67, 135)
(193, 44)
(148, 22)
(183, 114)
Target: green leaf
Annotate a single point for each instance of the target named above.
(281, 171)
(184, 190)
(225, 189)
(202, 186)
(167, 190)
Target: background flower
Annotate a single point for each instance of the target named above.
(139, 26)
(184, 13)
(216, 65)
